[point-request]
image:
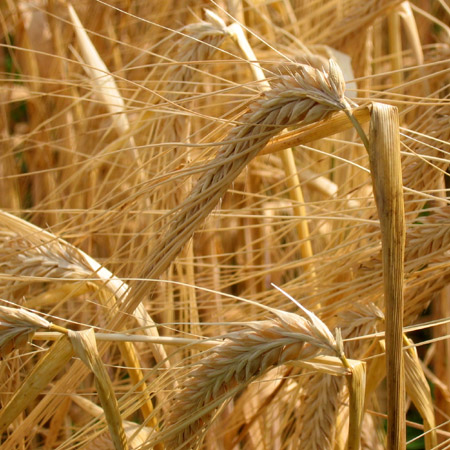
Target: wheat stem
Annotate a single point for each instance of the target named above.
(384, 156)
(304, 135)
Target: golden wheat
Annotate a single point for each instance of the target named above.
(171, 162)
(243, 356)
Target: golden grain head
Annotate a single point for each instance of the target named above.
(163, 167)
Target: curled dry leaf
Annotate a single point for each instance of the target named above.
(418, 389)
(85, 347)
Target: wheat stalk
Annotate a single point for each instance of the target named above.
(335, 124)
(17, 327)
(386, 173)
(365, 320)
(136, 434)
(106, 88)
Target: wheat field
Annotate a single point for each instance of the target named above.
(225, 224)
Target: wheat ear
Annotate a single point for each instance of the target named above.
(428, 240)
(319, 409)
(305, 97)
(230, 367)
(29, 251)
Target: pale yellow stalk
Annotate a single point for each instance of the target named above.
(384, 155)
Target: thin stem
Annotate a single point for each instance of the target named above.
(58, 329)
(358, 128)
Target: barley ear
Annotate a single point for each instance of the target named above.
(30, 250)
(228, 368)
(305, 97)
(287, 155)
